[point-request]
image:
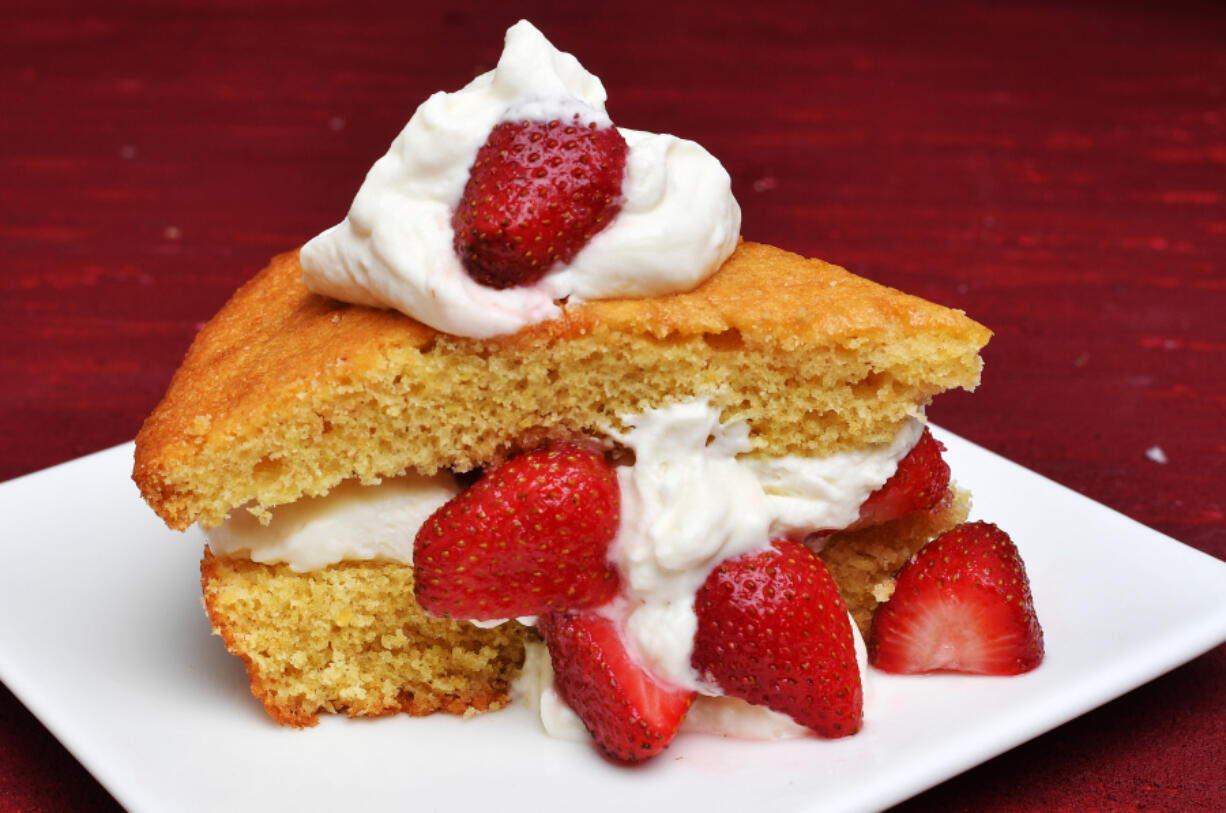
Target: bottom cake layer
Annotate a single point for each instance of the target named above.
(350, 638)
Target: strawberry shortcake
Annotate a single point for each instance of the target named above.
(534, 421)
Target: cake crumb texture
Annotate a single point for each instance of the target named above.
(351, 639)
(286, 393)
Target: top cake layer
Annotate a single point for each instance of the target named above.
(286, 393)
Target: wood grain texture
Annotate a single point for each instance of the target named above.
(1058, 170)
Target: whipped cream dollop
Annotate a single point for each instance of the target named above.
(351, 523)
(693, 499)
(678, 222)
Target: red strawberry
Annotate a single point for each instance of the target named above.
(629, 712)
(921, 481)
(536, 194)
(961, 604)
(773, 630)
(530, 536)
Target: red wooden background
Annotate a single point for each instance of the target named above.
(1056, 169)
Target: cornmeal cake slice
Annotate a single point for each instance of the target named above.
(286, 394)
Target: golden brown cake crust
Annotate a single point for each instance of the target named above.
(774, 298)
(286, 393)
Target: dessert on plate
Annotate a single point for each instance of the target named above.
(534, 420)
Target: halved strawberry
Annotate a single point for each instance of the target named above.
(536, 194)
(530, 536)
(961, 604)
(919, 483)
(774, 631)
(631, 714)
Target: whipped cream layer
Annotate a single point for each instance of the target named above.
(351, 523)
(678, 223)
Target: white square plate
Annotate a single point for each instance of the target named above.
(103, 637)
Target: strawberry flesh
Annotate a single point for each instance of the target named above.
(919, 484)
(774, 631)
(961, 604)
(536, 194)
(630, 713)
(528, 537)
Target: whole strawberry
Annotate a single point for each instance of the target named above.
(961, 604)
(920, 482)
(630, 713)
(530, 536)
(536, 194)
(774, 631)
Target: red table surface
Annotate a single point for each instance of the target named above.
(1057, 170)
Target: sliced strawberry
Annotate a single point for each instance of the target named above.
(536, 194)
(961, 604)
(919, 483)
(530, 536)
(774, 631)
(630, 713)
